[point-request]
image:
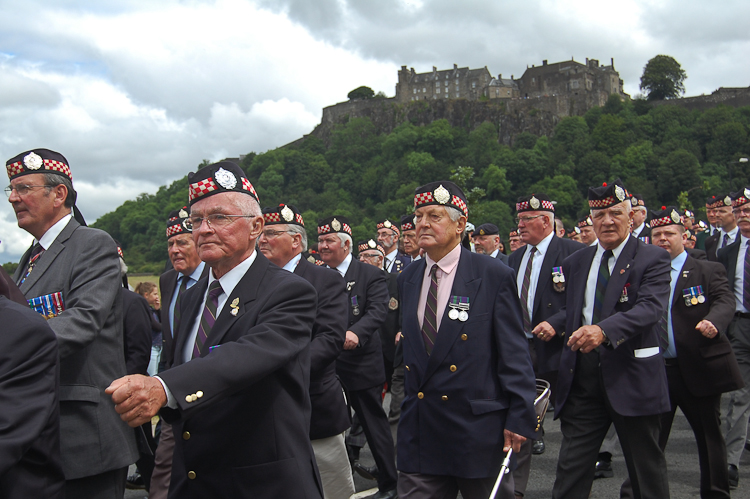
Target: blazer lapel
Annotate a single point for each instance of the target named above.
(48, 256)
(619, 277)
(192, 302)
(685, 275)
(410, 301)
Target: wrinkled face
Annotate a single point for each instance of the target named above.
(278, 244)
(435, 229)
(588, 236)
(387, 238)
(410, 242)
(612, 225)
(331, 252)
(533, 226)
(35, 210)
(639, 216)
(515, 242)
(183, 254)
(725, 217)
(486, 244)
(371, 257)
(670, 237)
(742, 214)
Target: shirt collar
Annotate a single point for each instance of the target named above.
(196, 274)
(392, 255)
(229, 280)
(679, 260)
(732, 233)
(292, 264)
(541, 248)
(615, 252)
(49, 237)
(448, 262)
(343, 267)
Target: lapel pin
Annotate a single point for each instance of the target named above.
(622, 271)
(235, 307)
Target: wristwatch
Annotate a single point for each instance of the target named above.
(606, 341)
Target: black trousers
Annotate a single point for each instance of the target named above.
(369, 408)
(584, 422)
(107, 485)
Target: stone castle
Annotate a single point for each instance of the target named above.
(583, 85)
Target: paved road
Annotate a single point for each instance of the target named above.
(682, 460)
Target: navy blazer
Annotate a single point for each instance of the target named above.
(478, 380)
(635, 386)
(136, 332)
(330, 415)
(242, 423)
(547, 299)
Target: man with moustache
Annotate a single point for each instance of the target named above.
(237, 394)
(727, 227)
(736, 259)
(410, 237)
(283, 241)
(487, 242)
(388, 234)
(360, 365)
(611, 368)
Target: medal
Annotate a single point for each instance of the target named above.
(463, 316)
(701, 299)
(355, 310)
(355, 305)
(693, 300)
(453, 314)
(556, 279)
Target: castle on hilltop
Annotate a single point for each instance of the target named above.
(583, 85)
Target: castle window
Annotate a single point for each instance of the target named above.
(473, 84)
(446, 83)
(446, 95)
(415, 90)
(424, 90)
(437, 89)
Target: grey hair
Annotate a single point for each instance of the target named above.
(343, 238)
(53, 180)
(453, 213)
(248, 205)
(296, 229)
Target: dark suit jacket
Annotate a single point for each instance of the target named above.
(247, 435)
(30, 464)
(728, 258)
(707, 365)
(635, 386)
(392, 324)
(330, 415)
(400, 263)
(645, 233)
(136, 332)
(502, 257)
(547, 301)
(478, 380)
(698, 254)
(362, 367)
(711, 243)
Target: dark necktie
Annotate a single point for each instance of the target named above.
(601, 286)
(208, 317)
(429, 324)
(525, 291)
(176, 316)
(746, 281)
(36, 252)
(663, 331)
(725, 241)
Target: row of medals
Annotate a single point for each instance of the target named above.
(459, 312)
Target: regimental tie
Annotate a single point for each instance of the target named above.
(746, 281)
(36, 252)
(725, 242)
(601, 286)
(429, 324)
(663, 331)
(525, 291)
(176, 316)
(208, 317)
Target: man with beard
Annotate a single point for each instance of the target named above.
(487, 242)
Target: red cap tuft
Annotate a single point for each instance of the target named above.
(604, 184)
(663, 208)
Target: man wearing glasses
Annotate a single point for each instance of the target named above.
(237, 395)
(283, 241)
(72, 276)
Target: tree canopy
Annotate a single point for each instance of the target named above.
(361, 93)
(663, 78)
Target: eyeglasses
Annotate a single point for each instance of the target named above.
(23, 189)
(215, 220)
(526, 220)
(271, 234)
(369, 256)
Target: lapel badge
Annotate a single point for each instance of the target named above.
(393, 304)
(235, 307)
(622, 271)
(349, 285)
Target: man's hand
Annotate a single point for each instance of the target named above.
(137, 398)
(351, 341)
(707, 329)
(586, 338)
(512, 440)
(398, 337)
(544, 331)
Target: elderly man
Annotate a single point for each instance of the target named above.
(736, 259)
(237, 394)
(388, 234)
(588, 236)
(541, 289)
(727, 223)
(641, 230)
(410, 237)
(187, 269)
(611, 368)
(487, 242)
(514, 240)
(469, 381)
(72, 276)
(283, 241)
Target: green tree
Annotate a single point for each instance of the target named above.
(361, 93)
(663, 78)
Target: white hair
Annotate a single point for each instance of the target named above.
(296, 229)
(453, 213)
(343, 238)
(248, 205)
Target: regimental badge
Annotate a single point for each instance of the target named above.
(235, 306)
(372, 244)
(577, 229)
(186, 225)
(747, 193)
(675, 217)
(225, 179)
(534, 202)
(33, 161)
(287, 214)
(387, 224)
(620, 193)
(335, 225)
(182, 213)
(311, 259)
(481, 232)
(350, 285)
(393, 304)
(442, 195)
(728, 201)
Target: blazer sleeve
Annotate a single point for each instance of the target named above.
(329, 330)
(377, 308)
(721, 297)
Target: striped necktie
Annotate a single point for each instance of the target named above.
(208, 317)
(746, 281)
(725, 241)
(429, 324)
(525, 291)
(601, 286)
(663, 331)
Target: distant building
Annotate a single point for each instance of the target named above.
(456, 83)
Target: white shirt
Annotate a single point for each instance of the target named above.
(732, 237)
(49, 237)
(292, 264)
(344, 266)
(590, 295)
(739, 276)
(638, 230)
(390, 258)
(536, 267)
(192, 279)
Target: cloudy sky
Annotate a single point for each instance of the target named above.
(136, 93)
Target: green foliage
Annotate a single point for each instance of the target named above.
(361, 93)
(10, 267)
(667, 154)
(663, 78)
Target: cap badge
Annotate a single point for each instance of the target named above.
(336, 225)
(620, 193)
(182, 214)
(225, 179)
(187, 225)
(33, 161)
(442, 195)
(481, 232)
(372, 244)
(534, 203)
(675, 217)
(747, 193)
(287, 213)
(589, 221)
(387, 224)
(728, 201)
(578, 230)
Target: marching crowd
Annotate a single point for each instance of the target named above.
(266, 356)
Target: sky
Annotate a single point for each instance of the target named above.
(136, 93)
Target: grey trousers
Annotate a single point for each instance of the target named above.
(738, 411)
(333, 464)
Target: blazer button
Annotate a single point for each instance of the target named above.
(188, 398)
(464, 337)
(420, 395)
(199, 394)
(571, 371)
(192, 475)
(186, 435)
(453, 369)
(444, 397)
(407, 368)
